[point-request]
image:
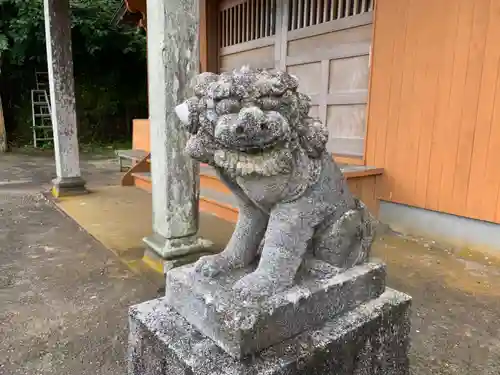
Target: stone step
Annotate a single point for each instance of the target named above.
(349, 170)
(209, 178)
(207, 170)
(144, 176)
(217, 199)
(142, 180)
(215, 195)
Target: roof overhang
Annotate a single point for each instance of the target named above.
(131, 12)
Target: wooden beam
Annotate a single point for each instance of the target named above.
(209, 44)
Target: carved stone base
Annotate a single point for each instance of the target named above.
(68, 186)
(240, 328)
(371, 339)
(160, 264)
(168, 249)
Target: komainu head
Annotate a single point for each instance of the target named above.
(249, 116)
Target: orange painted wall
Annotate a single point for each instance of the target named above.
(434, 107)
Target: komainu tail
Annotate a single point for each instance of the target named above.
(347, 242)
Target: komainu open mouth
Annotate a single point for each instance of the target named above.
(255, 149)
(270, 162)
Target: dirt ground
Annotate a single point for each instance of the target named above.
(456, 305)
(64, 297)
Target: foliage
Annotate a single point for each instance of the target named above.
(109, 66)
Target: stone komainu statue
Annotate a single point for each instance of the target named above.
(294, 203)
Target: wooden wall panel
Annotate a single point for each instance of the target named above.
(487, 107)
(140, 135)
(311, 44)
(310, 79)
(255, 58)
(314, 111)
(331, 61)
(434, 105)
(472, 87)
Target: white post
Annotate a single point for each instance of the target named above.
(173, 61)
(62, 98)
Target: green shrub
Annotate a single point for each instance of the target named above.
(109, 67)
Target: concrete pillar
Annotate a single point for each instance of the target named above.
(3, 134)
(62, 98)
(173, 60)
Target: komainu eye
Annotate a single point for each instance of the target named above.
(226, 106)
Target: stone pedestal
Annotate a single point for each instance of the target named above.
(328, 323)
(168, 254)
(371, 339)
(243, 328)
(68, 186)
(62, 99)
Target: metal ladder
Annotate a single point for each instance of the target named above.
(41, 111)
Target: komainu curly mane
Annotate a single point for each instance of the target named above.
(220, 95)
(254, 128)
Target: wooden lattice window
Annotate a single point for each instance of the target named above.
(247, 20)
(305, 13)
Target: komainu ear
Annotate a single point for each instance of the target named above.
(188, 113)
(313, 137)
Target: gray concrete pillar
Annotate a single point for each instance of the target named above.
(62, 98)
(173, 60)
(3, 134)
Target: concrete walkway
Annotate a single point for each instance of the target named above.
(64, 296)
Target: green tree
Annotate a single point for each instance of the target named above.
(110, 67)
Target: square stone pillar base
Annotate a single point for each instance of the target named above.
(163, 254)
(371, 339)
(68, 186)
